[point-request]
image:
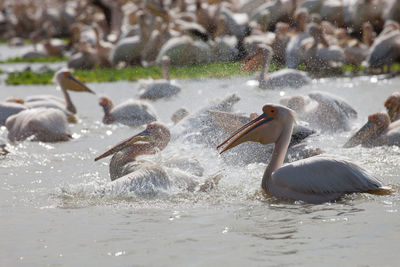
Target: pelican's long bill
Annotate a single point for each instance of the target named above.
(240, 135)
(73, 84)
(363, 134)
(142, 136)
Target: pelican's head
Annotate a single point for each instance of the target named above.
(265, 129)
(68, 82)
(375, 125)
(105, 102)
(107, 105)
(392, 105)
(156, 134)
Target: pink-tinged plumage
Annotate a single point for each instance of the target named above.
(314, 180)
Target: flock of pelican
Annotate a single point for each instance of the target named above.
(311, 178)
(317, 34)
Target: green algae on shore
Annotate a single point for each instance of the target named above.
(212, 70)
(34, 60)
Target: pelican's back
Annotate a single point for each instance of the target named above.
(47, 125)
(149, 180)
(159, 90)
(133, 113)
(320, 179)
(285, 78)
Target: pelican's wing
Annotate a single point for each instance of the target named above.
(228, 122)
(321, 175)
(134, 113)
(329, 100)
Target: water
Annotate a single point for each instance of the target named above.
(53, 211)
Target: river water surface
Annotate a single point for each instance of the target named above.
(54, 209)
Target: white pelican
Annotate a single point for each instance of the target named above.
(278, 79)
(154, 90)
(44, 124)
(378, 131)
(392, 105)
(326, 112)
(314, 180)
(67, 83)
(145, 178)
(131, 112)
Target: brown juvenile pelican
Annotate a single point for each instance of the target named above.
(130, 112)
(43, 124)
(145, 178)
(392, 105)
(154, 90)
(279, 79)
(314, 180)
(378, 131)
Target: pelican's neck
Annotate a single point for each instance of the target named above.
(278, 154)
(127, 155)
(107, 116)
(264, 70)
(165, 71)
(68, 101)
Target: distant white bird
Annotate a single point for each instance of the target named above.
(314, 180)
(378, 131)
(278, 79)
(156, 89)
(130, 112)
(43, 124)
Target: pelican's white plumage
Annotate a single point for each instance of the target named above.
(156, 89)
(314, 180)
(46, 125)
